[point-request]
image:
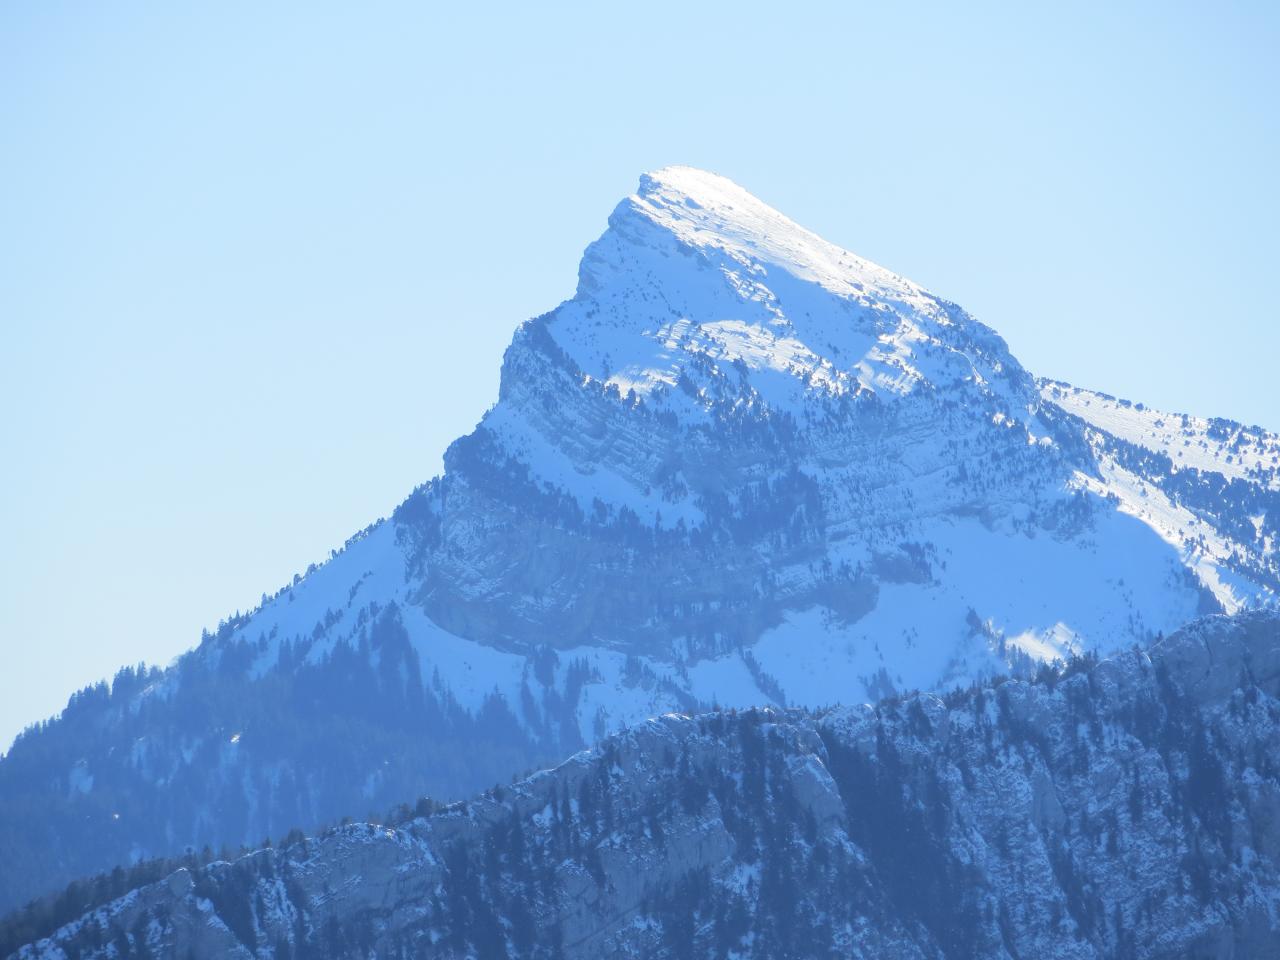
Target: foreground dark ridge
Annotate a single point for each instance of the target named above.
(1123, 808)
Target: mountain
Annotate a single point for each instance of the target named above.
(1121, 809)
(740, 467)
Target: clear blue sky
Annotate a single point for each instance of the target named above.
(258, 266)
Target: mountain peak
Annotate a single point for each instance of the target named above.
(688, 194)
(691, 182)
(705, 209)
(740, 466)
(698, 282)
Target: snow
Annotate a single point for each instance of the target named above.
(704, 209)
(1186, 440)
(695, 269)
(725, 681)
(1058, 642)
(584, 480)
(370, 569)
(1200, 547)
(471, 671)
(79, 779)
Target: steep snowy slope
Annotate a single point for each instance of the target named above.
(1121, 809)
(1224, 447)
(740, 466)
(1211, 488)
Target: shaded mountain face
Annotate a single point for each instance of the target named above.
(1122, 808)
(740, 466)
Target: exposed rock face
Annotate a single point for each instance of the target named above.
(1122, 808)
(739, 467)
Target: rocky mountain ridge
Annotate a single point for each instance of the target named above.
(1114, 808)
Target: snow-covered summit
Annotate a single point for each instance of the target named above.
(707, 210)
(698, 283)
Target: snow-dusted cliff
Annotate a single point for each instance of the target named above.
(739, 467)
(1122, 808)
